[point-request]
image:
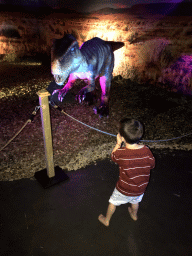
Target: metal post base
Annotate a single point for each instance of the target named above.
(47, 182)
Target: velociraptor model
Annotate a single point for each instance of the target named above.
(93, 59)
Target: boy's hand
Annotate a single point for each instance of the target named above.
(119, 141)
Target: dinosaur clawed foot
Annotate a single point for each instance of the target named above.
(86, 97)
(102, 110)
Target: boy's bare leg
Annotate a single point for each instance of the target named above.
(105, 220)
(133, 211)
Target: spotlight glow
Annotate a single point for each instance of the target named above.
(110, 35)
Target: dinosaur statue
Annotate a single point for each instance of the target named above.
(93, 59)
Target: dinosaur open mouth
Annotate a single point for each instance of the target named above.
(59, 79)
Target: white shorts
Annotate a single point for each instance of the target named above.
(117, 198)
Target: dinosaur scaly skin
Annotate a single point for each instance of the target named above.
(93, 59)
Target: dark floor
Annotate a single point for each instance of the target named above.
(62, 219)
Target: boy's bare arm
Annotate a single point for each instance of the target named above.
(116, 147)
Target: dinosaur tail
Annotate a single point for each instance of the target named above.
(115, 45)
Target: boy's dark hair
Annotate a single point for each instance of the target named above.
(131, 130)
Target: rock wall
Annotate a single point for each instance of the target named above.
(22, 36)
(178, 76)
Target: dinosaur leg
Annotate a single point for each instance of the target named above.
(103, 109)
(86, 94)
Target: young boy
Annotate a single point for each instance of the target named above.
(135, 161)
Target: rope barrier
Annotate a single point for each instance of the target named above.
(57, 107)
(28, 121)
(62, 111)
(168, 139)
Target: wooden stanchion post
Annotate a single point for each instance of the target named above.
(50, 176)
(46, 125)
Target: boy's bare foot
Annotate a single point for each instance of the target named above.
(103, 220)
(134, 217)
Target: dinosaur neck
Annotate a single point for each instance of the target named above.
(81, 65)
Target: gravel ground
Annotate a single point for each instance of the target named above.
(165, 115)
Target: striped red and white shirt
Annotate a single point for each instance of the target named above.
(134, 169)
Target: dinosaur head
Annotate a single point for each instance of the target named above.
(64, 55)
